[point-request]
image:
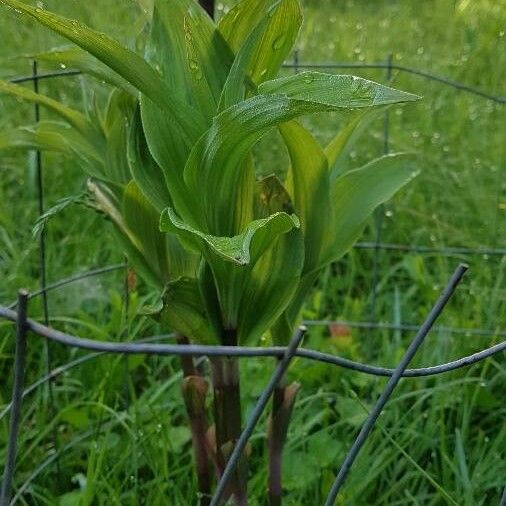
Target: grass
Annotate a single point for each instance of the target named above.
(441, 440)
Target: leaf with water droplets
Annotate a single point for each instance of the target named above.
(337, 91)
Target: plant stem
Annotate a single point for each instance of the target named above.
(277, 429)
(194, 389)
(227, 417)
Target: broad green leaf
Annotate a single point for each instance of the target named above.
(126, 63)
(336, 91)
(190, 54)
(354, 196)
(146, 172)
(238, 23)
(357, 193)
(78, 59)
(184, 311)
(214, 168)
(270, 286)
(284, 22)
(264, 50)
(106, 203)
(163, 253)
(232, 259)
(238, 81)
(311, 188)
(194, 60)
(74, 118)
(242, 249)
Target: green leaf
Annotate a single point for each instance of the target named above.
(162, 252)
(77, 59)
(184, 311)
(238, 81)
(73, 117)
(120, 109)
(261, 54)
(335, 91)
(189, 52)
(238, 23)
(214, 168)
(126, 63)
(271, 286)
(146, 172)
(357, 193)
(233, 260)
(285, 19)
(242, 249)
(56, 137)
(311, 188)
(194, 60)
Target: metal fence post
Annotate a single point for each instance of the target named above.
(17, 397)
(42, 263)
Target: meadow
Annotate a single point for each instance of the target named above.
(113, 429)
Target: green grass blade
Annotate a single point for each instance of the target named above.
(75, 118)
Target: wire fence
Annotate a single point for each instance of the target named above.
(152, 346)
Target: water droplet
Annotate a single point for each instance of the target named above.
(38, 9)
(308, 78)
(195, 68)
(420, 50)
(389, 214)
(278, 42)
(63, 66)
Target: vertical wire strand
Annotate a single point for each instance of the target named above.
(43, 266)
(393, 381)
(17, 397)
(256, 414)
